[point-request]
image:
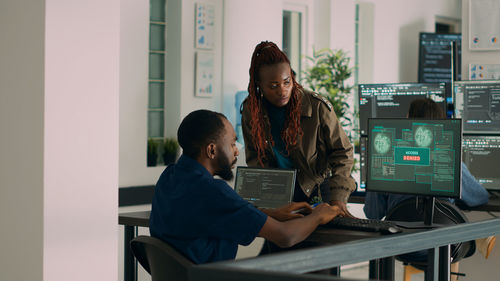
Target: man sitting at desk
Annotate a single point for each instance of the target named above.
(203, 217)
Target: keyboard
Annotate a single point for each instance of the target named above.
(368, 225)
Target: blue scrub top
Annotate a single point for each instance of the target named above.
(200, 216)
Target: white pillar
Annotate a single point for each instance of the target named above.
(59, 150)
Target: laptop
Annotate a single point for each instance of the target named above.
(265, 187)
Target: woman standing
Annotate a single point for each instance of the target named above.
(285, 126)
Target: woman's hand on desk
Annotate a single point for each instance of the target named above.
(326, 212)
(290, 211)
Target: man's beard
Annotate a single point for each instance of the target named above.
(224, 168)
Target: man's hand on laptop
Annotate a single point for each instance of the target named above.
(289, 211)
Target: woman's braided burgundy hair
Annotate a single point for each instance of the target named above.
(267, 53)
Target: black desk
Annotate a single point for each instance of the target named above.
(289, 265)
(131, 221)
(382, 269)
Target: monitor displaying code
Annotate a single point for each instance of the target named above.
(394, 99)
(481, 154)
(266, 188)
(435, 57)
(414, 156)
(477, 103)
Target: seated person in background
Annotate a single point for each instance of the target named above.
(203, 217)
(378, 204)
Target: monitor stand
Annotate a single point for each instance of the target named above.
(428, 203)
(427, 208)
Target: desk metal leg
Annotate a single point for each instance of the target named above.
(432, 268)
(129, 265)
(335, 271)
(382, 269)
(444, 263)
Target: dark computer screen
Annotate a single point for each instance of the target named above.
(478, 104)
(414, 156)
(481, 154)
(265, 187)
(393, 100)
(440, 61)
(435, 57)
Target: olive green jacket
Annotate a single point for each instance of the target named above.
(324, 151)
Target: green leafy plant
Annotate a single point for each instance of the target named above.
(170, 150)
(152, 152)
(327, 76)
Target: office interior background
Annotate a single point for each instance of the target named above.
(74, 78)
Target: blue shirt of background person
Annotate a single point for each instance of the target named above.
(201, 216)
(377, 205)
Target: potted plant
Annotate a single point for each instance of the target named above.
(327, 75)
(152, 152)
(170, 150)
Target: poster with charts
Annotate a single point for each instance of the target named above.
(484, 25)
(484, 71)
(205, 29)
(204, 74)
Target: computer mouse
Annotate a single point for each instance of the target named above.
(393, 229)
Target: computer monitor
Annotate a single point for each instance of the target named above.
(481, 155)
(478, 104)
(394, 99)
(439, 60)
(436, 57)
(362, 163)
(265, 187)
(414, 156)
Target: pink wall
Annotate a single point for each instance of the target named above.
(81, 140)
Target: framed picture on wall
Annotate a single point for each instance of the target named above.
(205, 29)
(204, 74)
(484, 25)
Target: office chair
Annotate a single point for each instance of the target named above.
(160, 259)
(444, 213)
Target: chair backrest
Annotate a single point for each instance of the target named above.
(444, 213)
(160, 259)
